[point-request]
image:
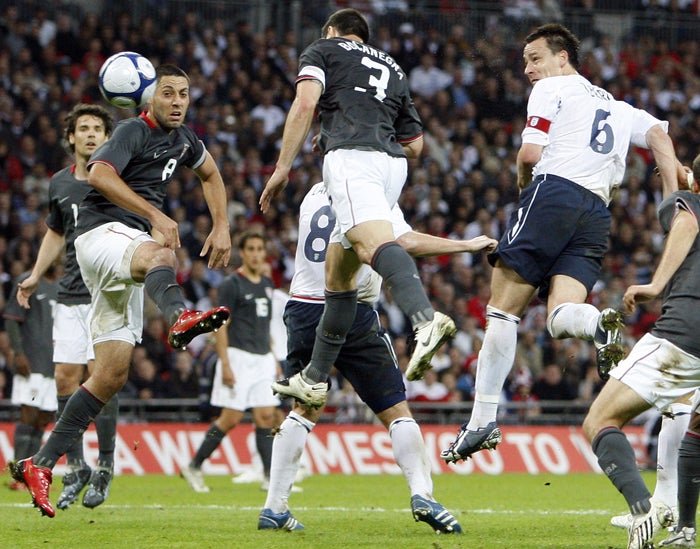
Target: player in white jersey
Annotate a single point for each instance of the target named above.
(366, 360)
(571, 159)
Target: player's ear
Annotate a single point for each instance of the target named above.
(564, 57)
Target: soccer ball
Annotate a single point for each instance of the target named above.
(127, 80)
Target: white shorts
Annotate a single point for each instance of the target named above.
(104, 255)
(37, 391)
(658, 371)
(254, 374)
(71, 334)
(363, 186)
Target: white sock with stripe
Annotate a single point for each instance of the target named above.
(493, 366)
(287, 448)
(411, 456)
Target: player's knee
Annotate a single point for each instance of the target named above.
(162, 257)
(67, 379)
(589, 427)
(596, 420)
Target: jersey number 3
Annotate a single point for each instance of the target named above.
(380, 84)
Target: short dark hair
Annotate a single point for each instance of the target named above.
(168, 69)
(696, 170)
(348, 21)
(82, 109)
(248, 235)
(559, 38)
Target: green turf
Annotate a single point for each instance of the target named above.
(507, 511)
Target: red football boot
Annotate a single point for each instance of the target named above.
(38, 481)
(192, 323)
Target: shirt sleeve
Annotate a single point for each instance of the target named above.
(124, 143)
(54, 220)
(312, 65)
(642, 122)
(542, 109)
(228, 292)
(398, 222)
(13, 310)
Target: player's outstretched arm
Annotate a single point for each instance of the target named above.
(296, 128)
(49, 251)
(425, 245)
(666, 162)
(105, 179)
(681, 237)
(218, 243)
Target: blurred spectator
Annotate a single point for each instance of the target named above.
(146, 381)
(154, 341)
(427, 78)
(196, 286)
(530, 407)
(429, 389)
(273, 116)
(552, 385)
(182, 380)
(529, 352)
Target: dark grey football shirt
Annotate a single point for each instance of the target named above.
(680, 313)
(366, 103)
(36, 324)
(146, 157)
(251, 311)
(65, 195)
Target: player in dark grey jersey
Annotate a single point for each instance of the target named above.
(369, 126)
(125, 242)
(662, 367)
(87, 127)
(33, 387)
(246, 365)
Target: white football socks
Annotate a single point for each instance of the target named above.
(670, 436)
(578, 320)
(411, 456)
(287, 449)
(493, 366)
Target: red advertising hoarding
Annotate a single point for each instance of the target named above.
(163, 448)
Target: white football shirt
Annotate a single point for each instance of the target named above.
(585, 132)
(316, 223)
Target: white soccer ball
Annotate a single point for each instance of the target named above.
(127, 80)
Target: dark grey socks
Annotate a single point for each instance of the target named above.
(337, 319)
(616, 459)
(162, 287)
(400, 275)
(211, 442)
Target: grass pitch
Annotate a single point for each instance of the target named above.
(157, 511)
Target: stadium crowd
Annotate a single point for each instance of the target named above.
(471, 95)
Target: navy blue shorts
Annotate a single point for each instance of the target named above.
(367, 359)
(558, 228)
